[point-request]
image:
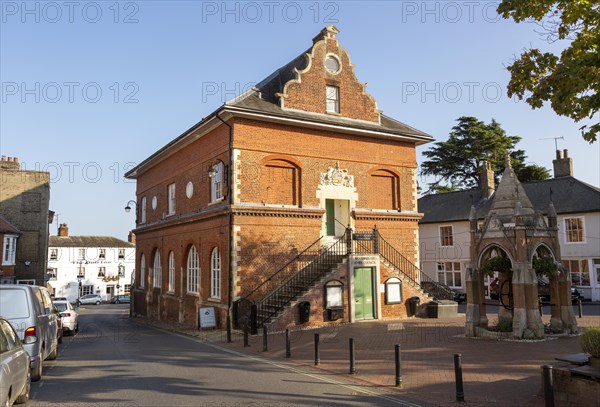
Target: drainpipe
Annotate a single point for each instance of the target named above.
(231, 245)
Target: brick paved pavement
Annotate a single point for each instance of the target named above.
(495, 373)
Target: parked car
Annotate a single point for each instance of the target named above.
(543, 291)
(90, 299)
(68, 315)
(459, 297)
(31, 313)
(120, 299)
(15, 376)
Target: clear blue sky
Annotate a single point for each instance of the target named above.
(90, 89)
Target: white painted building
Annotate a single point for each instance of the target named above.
(80, 265)
(444, 238)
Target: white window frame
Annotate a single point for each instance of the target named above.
(80, 271)
(101, 271)
(121, 254)
(121, 270)
(171, 287)
(193, 272)
(53, 254)
(583, 267)
(442, 240)
(143, 203)
(102, 254)
(157, 271)
(332, 99)
(455, 269)
(215, 273)
(567, 231)
(81, 254)
(142, 271)
(9, 250)
(171, 200)
(216, 183)
(127, 288)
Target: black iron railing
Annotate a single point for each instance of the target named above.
(293, 279)
(373, 242)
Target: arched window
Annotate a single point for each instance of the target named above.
(142, 271)
(157, 271)
(384, 190)
(193, 272)
(280, 182)
(171, 287)
(215, 273)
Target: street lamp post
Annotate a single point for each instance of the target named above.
(128, 209)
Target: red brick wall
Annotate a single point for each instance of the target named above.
(309, 92)
(313, 152)
(204, 235)
(189, 164)
(267, 243)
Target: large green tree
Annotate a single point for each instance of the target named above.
(571, 81)
(456, 162)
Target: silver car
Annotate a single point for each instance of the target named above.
(90, 299)
(15, 376)
(30, 311)
(68, 315)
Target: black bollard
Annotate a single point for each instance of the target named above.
(246, 342)
(352, 360)
(265, 339)
(548, 386)
(288, 345)
(398, 370)
(317, 355)
(228, 322)
(460, 394)
(580, 307)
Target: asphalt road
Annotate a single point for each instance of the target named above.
(112, 362)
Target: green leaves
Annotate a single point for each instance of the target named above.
(456, 161)
(570, 82)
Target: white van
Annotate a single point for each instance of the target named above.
(30, 310)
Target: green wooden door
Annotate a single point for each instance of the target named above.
(363, 293)
(330, 216)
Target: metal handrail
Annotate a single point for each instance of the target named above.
(271, 278)
(303, 278)
(402, 265)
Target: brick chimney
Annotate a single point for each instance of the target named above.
(563, 166)
(10, 163)
(131, 237)
(486, 179)
(63, 230)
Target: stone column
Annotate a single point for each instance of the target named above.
(567, 316)
(527, 322)
(474, 300)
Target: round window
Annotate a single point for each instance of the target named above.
(154, 202)
(189, 189)
(332, 64)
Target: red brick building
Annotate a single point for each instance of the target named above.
(252, 205)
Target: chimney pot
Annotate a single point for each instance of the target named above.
(63, 230)
(563, 166)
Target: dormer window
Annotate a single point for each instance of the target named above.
(333, 99)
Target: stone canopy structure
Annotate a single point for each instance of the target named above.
(512, 239)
